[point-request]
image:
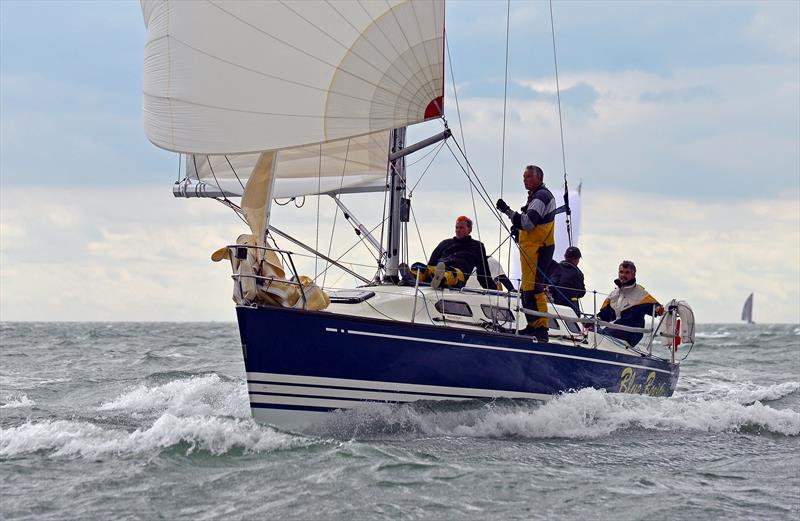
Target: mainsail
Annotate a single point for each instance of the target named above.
(355, 164)
(747, 310)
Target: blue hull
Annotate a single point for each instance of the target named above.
(315, 362)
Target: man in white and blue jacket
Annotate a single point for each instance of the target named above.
(627, 305)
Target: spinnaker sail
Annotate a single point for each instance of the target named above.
(244, 77)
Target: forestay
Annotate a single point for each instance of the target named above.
(244, 77)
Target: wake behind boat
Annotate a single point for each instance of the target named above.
(281, 100)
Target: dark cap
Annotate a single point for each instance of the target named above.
(572, 253)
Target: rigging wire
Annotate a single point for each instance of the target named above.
(411, 192)
(336, 213)
(234, 171)
(487, 200)
(426, 154)
(461, 129)
(359, 241)
(505, 107)
(568, 214)
(422, 244)
(319, 185)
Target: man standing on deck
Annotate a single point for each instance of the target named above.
(627, 305)
(536, 225)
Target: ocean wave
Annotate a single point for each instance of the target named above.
(749, 392)
(17, 401)
(197, 395)
(588, 413)
(64, 438)
(713, 334)
(728, 387)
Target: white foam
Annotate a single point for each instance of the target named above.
(76, 438)
(713, 334)
(17, 401)
(749, 392)
(588, 413)
(198, 395)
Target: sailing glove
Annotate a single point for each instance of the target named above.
(502, 206)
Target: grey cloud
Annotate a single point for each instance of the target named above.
(681, 95)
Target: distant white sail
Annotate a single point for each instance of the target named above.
(239, 77)
(747, 310)
(348, 165)
(561, 235)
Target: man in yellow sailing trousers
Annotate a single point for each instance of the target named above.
(535, 223)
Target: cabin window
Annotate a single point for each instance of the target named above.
(552, 323)
(497, 314)
(453, 307)
(350, 296)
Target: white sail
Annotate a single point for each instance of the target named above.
(243, 76)
(747, 310)
(561, 235)
(348, 165)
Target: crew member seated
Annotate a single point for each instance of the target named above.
(566, 280)
(627, 305)
(454, 259)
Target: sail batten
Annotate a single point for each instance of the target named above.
(246, 77)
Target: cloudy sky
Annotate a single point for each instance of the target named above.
(681, 119)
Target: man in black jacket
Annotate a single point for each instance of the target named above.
(566, 281)
(454, 259)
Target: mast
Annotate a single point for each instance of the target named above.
(397, 192)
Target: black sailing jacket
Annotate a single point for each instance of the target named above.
(465, 254)
(570, 279)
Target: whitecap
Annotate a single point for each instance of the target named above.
(63, 438)
(198, 395)
(712, 334)
(17, 401)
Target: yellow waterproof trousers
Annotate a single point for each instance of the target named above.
(536, 249)
(452, 277)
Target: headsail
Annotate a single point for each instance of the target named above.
(243, 77)
(747, 310)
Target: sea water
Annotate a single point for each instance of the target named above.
(151, 421)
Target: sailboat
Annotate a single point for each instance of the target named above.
(271, 100)
(747, 310)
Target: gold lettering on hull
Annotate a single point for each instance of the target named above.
(628, 384)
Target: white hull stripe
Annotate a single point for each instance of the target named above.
(347, 393)
(511, 349)
(307, 402)
(374, 385)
